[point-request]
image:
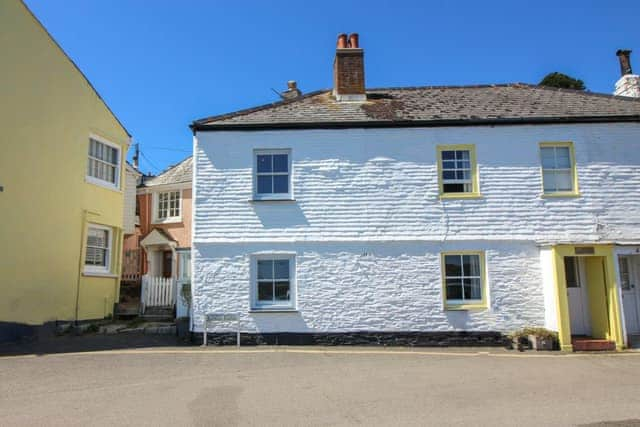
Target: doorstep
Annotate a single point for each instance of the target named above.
(591, 344)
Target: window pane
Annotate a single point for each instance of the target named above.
(282, 291)
(563, 161)
(264, 163)
(462, 155)
(472, 289)
(281, 163)
(265, 184)
(97, 237)
(454, 289)
(281, 184)
(564, 181)
(548, 157)
(454, 188)
(570, 272)
(448, 175)
(448, 155)
(281, 268)
(449, 165)
(265, 269)
(265, 291)
(471, 265)
(453, 266)
(549, 180)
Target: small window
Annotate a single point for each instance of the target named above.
(464, 279)
(168, 206)
(272, 174)
(274, 282)
(558, 169)
(571, 272)
(98, 251)
(184, 265)
(457, 171)
(104, 163)
(625, 281)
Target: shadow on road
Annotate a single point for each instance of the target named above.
(93, 342)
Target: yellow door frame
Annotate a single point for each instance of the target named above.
(614, 313)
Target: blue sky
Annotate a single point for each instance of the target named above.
(161, 64)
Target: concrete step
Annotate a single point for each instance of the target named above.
(590, 344)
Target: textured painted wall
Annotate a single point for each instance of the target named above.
(376, 192)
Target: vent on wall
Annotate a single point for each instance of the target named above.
(585, 250)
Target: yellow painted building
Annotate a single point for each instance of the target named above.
(61, 178)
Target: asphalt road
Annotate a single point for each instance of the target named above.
(314, 386)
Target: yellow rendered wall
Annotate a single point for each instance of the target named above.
(47, 112)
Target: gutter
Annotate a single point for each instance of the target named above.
(196, 126)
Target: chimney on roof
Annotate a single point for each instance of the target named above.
(348, 69)
(629, 83)
(292, 91)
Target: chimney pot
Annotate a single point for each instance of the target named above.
(291, 84)
(342, 41)
(353, 40)
(624, 56)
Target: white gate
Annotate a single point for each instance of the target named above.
(157, 292)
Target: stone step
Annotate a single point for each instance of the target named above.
(590, 344)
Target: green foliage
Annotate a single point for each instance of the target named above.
(538, 332)
(560, 80)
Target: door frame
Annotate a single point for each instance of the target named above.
(621, 250)
(611, 292)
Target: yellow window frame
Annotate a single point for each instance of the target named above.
(475, 183)
(483, 303)
(574, 172)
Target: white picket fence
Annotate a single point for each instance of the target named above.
(157, 292)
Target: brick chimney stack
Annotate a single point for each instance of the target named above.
(348, 69)
(629, 83)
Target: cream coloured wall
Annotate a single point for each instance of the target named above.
(47, 113)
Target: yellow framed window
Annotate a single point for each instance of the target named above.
(464, 280)
(558, 165)
(457, 171)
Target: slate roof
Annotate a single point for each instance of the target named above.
(181, 172)
(515, 103)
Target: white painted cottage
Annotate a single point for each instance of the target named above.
(420, 215)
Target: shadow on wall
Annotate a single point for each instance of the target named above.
(280, 214)
(282, 322)
(458, 319)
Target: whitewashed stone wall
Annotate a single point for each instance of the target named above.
(376, 190)
(628, 85)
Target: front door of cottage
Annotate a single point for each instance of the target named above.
(629, 267)
(579, 315)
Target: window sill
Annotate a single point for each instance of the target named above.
(99, 274)
(104, 184)
(559, 195)
(283, 200)
(465, 307)
(460, 196)
(273, 310)
(175, 220)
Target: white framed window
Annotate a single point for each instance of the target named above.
(98, 249)
(168, 206)
(273, 282)
(558, 169)
(272, 174)
(103, 165)
(457, 171)
(464, 279)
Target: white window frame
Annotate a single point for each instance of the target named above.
(95, 269)
(156, 207)
(275, 305)
(272, 196)
(101, 182)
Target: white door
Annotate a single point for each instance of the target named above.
(578, 299)
(629, 271)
